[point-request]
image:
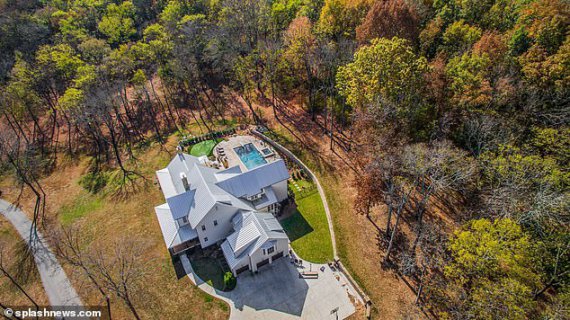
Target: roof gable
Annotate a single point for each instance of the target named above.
(180, 205)
(251, 182)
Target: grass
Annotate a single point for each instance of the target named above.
(203, 148)
(162, 294)
(82, 205)
(12, 247)
(355, 236)
(209, 270)
(308, 229)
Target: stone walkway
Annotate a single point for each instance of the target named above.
(58, 288)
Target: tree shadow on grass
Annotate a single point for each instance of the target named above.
(296, 226)
(209, 270)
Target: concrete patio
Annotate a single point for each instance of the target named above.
(277, 292)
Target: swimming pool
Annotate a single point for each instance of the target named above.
(250, 156)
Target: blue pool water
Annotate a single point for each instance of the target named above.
(250, 156)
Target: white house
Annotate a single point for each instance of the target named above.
(206, 206)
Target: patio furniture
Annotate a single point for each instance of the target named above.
(331, 265)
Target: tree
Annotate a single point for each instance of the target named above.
(525, 187)
(469, 80)
(118, 24)
(434, 169)
(388, 19)
(375, 74)
(459, 37)
(339, 18)
(507, 299)
(123, 272)
(494, 262)
(486, 249)
(300, 54)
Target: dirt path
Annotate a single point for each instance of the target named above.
(58, 288)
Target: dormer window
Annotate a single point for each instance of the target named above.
(183, 221)
(185, 181)
(256, 196)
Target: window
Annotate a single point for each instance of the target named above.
(206, 239)
(203, 228)
(215, 222)
(271, 250)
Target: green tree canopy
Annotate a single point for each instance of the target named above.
(118, 22)
(387, 68)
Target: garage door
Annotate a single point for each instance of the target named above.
(242, 269)
(262, 263)
(277, 256)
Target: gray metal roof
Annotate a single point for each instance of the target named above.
(251, 182)
(266, 199)
(172, 234)
(244, 237)
(181, 163)
(228, 173)
(209, 186)
(252, 231)
(180, 205)
(232, 260)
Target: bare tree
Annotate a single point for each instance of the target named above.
(399, 200)
(4, 271)
(68, 246)
(434, 169)
(122, 272)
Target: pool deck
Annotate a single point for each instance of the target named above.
(236, 141)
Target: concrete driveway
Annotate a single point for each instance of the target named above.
(277, 292)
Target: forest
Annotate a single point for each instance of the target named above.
(444, 107)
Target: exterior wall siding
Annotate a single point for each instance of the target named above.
(282, 245)
(223, 214)
(280, 189)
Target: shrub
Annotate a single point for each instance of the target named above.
(229, 281)
(94, 181)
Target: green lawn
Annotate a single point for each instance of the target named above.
(209, 269)
(203, 148)
(82, 205)
(308, 229)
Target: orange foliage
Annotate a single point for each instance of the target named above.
(387, 19)
(491, 43)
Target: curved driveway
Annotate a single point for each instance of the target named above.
(278, 293)
(58, 288)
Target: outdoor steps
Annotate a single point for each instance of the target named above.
(309, 275)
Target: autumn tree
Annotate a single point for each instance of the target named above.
(493, 261)
(374, 74)
(388, 19)
(340, 18)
